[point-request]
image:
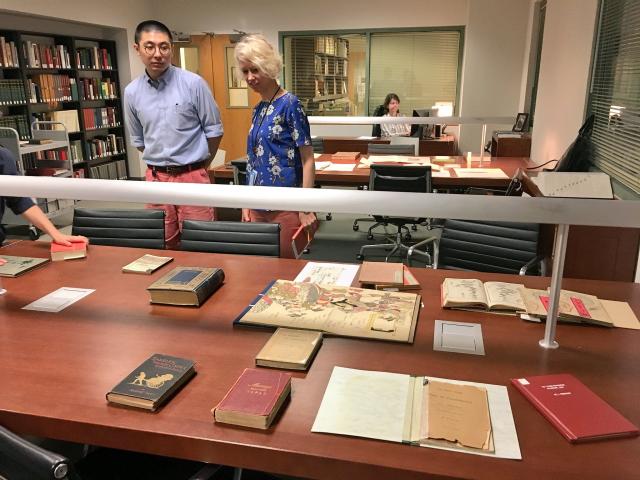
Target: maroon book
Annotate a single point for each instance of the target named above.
(255, 398)
(579, 414)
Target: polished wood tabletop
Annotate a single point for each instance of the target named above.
(360, 176)
(57, 367)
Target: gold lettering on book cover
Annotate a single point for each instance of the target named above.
(154, 382)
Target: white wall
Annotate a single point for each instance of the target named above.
(564, 76)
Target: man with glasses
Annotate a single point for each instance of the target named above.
(174, 121)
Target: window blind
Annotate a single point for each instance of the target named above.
(614, 96)
(420, 67)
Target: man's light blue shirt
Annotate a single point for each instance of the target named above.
(171, 118)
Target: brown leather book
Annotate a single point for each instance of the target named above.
(383, 276)
(255, 398)
(345, 157)
(290, 348)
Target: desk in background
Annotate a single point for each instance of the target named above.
(56, 369)
(360, 176)
(445, 145)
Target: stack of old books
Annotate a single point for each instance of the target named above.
(387, 276)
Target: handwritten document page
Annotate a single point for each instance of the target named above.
(463, 292)
(364, 404)
(505, 295)
(503, 428)
(459, 414)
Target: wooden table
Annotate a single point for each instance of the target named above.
(360, 176)
(444, 145)
(56, 369)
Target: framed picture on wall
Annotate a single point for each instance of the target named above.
(236, 86)
(521, 122)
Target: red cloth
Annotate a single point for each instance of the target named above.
(176, 214)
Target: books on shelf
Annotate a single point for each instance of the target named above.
(471, 293)
(290, 349)
(573, 409)
(18, 123)
(47, 88)
(93, 58)
(146, 264)
(95, 118)
(153, 382)
(96, 89)
(345, 311)
(186, 286)
(8, 53)
(255, 399)
(387, 276)
(12, 93)
(64, 252)
(43, 55)
(18, 265)
(416, 410)
(110, 171)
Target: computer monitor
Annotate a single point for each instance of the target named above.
(423, 131)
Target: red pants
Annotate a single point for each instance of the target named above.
(289, 223)
(175, 214)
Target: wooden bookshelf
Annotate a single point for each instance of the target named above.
(54, 76)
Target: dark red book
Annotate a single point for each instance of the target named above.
(579, 414)
(255, 398)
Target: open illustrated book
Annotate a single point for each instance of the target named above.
(471, 293)
(430, 412)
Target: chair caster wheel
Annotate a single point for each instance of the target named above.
(359, 257)
(407, 237)
(414, 228)
(34, 234)
(356, 228)
(369, 236)
(306, 251)
(329, 217)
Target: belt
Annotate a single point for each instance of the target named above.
(177, 169)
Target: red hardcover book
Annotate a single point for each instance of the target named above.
(255, 398)
(61, 252)
(578, 413)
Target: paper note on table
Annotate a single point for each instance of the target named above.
(322, 165)
(441, 173)
(340, 167)
(480, 173)
(341, 274)
(366, 137)
(316, 155)
(59, 299)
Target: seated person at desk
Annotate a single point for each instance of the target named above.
(392, 106)
(279, 142)
(24, 206)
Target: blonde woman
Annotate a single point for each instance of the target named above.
(279, 142)
(392, 107)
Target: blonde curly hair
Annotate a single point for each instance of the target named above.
(257, 50)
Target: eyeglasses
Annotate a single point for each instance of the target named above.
(150, 48)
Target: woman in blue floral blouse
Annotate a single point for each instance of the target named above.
(279, 142)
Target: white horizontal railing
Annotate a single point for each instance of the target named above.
(412, 120)
(560, 211)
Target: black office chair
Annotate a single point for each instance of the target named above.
(499, 247)
(21, 459)
(397, 178)
(382, 149)
(121, 228)
(378, 112)
(318, 144)
(239, 171)
(231, 237)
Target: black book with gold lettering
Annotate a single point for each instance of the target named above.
(153, 382)
(186, 286)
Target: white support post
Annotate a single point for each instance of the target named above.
(484, 138)
(560, 249)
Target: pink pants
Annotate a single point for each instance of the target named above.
(289, 223)
(175, 214)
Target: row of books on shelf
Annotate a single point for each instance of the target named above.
(330, 66)
(20, 123)
(12, 92)
(330, 86)
(331, 45)
(63, 88)
(8, 53)
(94, 58)
(110, 171)
(100, 118)
(40, 55)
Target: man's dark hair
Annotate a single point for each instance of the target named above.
(151, 26)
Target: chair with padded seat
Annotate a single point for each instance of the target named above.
(376, 131)
(397, 178)
(231, 237)
(141, 227)
(21, 459)
(498, 247)
(382, 149)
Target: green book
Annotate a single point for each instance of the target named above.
(153, 382)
